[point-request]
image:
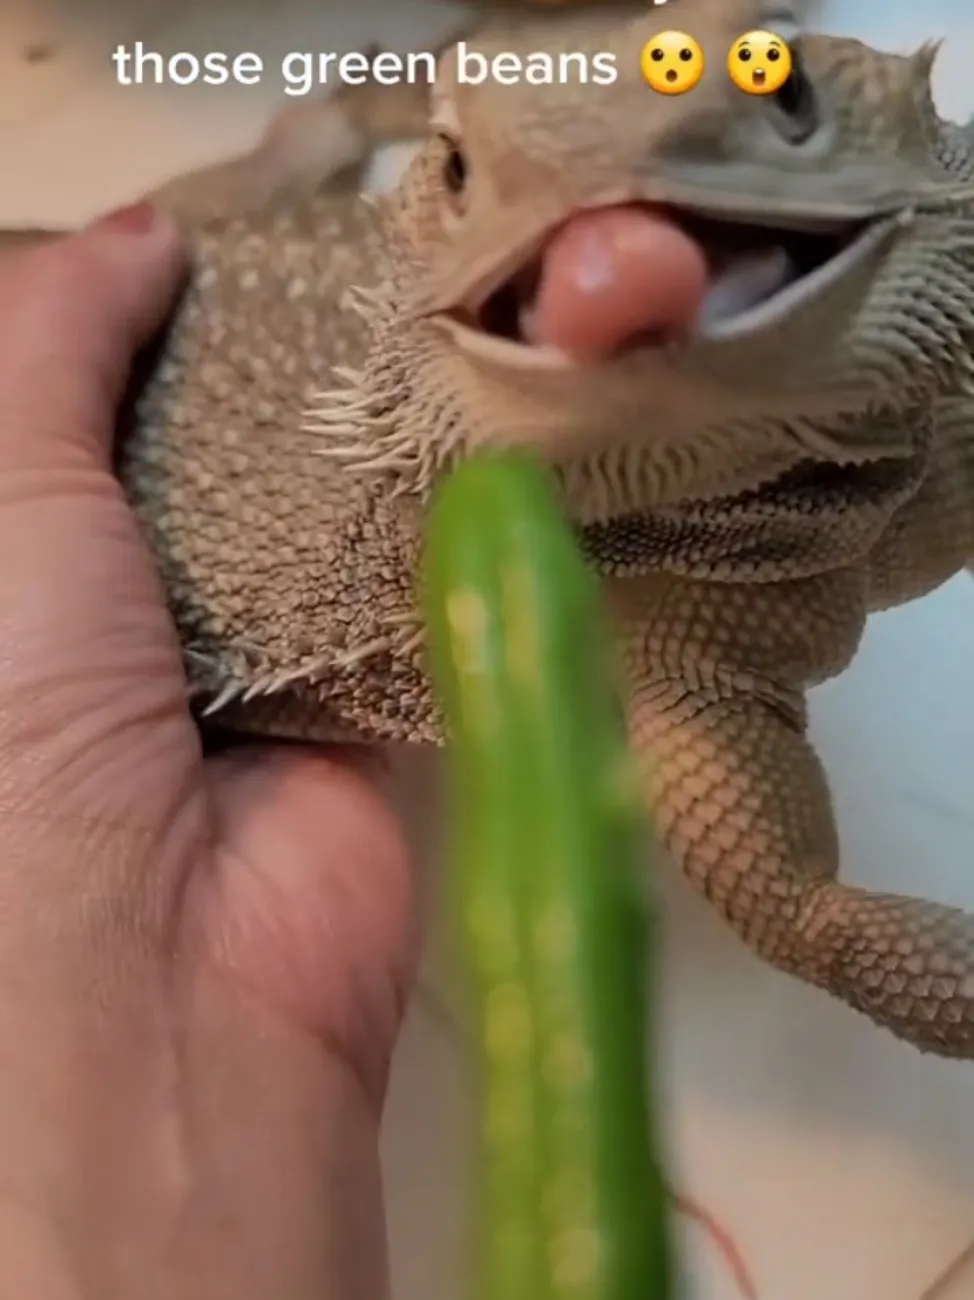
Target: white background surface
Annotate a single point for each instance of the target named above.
(840, 1160)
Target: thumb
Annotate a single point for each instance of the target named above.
(73, 312)
(312, 903)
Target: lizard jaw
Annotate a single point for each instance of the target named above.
(758, 275)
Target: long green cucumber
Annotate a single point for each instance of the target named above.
(555, 926)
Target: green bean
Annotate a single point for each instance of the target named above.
(547, 832)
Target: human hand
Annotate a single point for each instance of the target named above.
(203, 962)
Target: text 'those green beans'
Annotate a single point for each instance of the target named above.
(547, 835)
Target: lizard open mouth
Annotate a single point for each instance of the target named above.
(629, 276)
(750, 265)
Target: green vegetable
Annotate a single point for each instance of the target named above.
(547, 844)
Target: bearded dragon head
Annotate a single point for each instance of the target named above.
(830, 215)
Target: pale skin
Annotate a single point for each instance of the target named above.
(203, 962)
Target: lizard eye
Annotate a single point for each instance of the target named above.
(796, 103)
(454, 166)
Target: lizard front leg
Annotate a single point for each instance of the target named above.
(740, 798)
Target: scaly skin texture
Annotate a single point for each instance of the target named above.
(750, 499)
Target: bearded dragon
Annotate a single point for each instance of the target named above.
(750, 489)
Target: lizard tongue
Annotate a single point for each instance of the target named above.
(612, 275)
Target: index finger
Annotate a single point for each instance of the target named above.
(74, 310)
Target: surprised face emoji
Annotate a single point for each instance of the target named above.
(759, 63)
(671, 63)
